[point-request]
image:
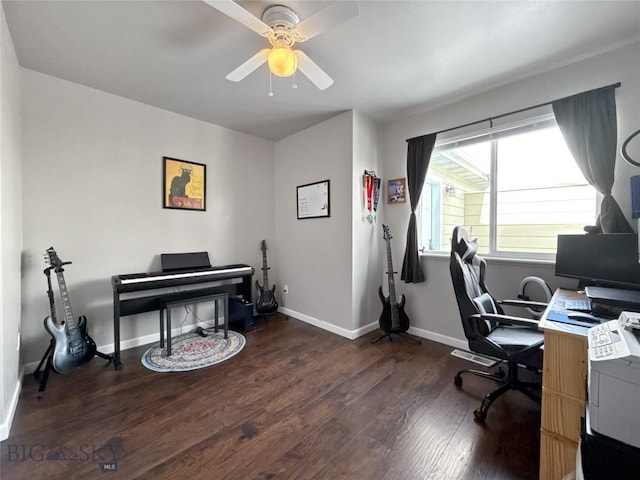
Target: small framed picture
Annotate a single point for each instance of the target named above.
(184, 184)
(396, 189)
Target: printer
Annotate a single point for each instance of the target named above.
(614, 378)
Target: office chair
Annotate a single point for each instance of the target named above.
(514, 340)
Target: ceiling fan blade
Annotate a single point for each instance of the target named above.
(239, 14)
(329, 17)
(249, 66)
(312, 71)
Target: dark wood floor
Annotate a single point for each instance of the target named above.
(296, 403)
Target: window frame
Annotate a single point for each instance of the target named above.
(434, 180)
(493, 135)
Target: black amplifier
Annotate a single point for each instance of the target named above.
(241, 314)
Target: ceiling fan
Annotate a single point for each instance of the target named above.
(283, 28)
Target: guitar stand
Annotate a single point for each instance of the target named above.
(97, 354)
(48, 355)
(400, 334)
(43, 377)
(262, 317)
(106, 356)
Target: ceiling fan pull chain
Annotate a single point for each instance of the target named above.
(270, 94)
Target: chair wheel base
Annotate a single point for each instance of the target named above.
(480, 415)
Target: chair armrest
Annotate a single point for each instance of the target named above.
(506, 319)
(524, 304)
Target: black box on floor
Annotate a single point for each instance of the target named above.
(605, 457)
(241, 314)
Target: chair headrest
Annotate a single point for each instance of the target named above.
(468, 249)
(461, 244)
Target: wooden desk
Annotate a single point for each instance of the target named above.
(564, 379)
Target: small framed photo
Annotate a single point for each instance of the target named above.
(396, 189)
(184, 184)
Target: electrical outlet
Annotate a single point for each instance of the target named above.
(285, 289)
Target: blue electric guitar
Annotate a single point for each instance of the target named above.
(73, 346)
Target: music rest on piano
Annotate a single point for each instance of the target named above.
(239, 274)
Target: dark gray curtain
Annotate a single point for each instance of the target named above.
(418, 156)
(588, 124)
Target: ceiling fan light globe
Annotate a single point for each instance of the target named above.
(282, 61)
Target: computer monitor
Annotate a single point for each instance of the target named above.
(606, 259)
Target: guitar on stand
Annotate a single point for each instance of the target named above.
(71, 346)
(266, 303)
(393, 319)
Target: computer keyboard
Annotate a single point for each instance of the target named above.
(580, 305)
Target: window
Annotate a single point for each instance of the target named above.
(514, 190)
(430, 208)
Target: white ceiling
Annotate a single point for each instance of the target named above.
(395, 59)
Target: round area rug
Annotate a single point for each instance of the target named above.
(190, 351)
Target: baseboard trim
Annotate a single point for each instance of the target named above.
(343, 332)
(438, 337)
(353, 334)
(364, 330)
(5, 427)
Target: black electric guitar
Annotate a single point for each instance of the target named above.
(266, 297)
(73, 346)
(392, 319)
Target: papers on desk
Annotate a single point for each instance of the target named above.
(574, 318)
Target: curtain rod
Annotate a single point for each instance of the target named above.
(491, 119)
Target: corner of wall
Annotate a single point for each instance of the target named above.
(366, 246)
(10, 228)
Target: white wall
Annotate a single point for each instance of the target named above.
(10, 228)
(314, 255)
(92, 188)
(431, 305)
(332, 266)
(367, 261)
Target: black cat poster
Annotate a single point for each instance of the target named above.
(184, 184)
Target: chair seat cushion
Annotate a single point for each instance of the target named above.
(515, 338)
